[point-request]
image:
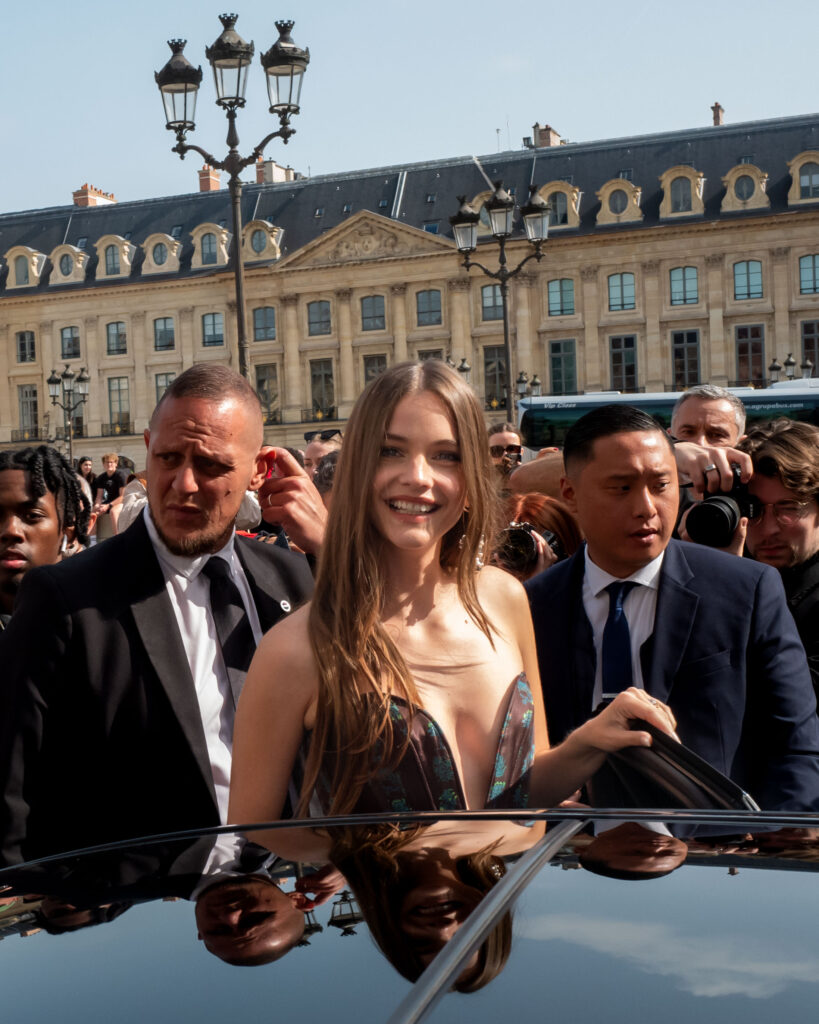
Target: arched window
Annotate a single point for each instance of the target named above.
(681, 195)
(21, 270)
(558, 209)
(809, 181)
(209, 248)
(111, 259)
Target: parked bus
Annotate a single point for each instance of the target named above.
(544, 421)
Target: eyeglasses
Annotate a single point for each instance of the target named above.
(323, 435)
(786, 513)
(496, 450)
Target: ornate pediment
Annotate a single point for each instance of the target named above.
(364, 237)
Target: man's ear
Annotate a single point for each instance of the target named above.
(259, 472)
(567, 493)
(147, 437)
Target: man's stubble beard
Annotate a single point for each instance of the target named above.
(200, 542)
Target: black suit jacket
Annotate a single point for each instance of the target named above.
(100, 732)
(724, 654)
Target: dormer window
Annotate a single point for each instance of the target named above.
(809, 181)
(25, 266)
(681, 195)
(82, 241)
(161, 254)
(21, 271)
(619, 202)
(111, 260)
(176, 231)
(66, 264)
(260, 241)
(745, 189)
(69, 264)
(682, 187)
(208, 249)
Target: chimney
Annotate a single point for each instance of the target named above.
(717, 110)
(544, 136)
(268, 172)
(209, 179)
(88, 195)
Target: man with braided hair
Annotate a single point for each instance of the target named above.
(43, 512)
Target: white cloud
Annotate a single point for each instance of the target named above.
(702, 964)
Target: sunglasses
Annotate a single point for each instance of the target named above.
(496, 450)
(323, 435)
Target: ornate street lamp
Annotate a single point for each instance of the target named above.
(345, 914)
(790, 366)
(68, 384)
(774, 370)
(536, 386)
(230, 58)
(806, 368)
(500, 209)
(465, 370)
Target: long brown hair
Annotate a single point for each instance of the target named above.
(359, 664)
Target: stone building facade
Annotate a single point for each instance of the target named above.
(672, 259)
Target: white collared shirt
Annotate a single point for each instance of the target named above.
(639, 605)
(189, 592)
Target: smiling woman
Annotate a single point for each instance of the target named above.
(410, 682)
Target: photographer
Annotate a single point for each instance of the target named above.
(541, 531)
(783, 530)
(505, 448)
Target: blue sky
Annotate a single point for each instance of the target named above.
(387, 84)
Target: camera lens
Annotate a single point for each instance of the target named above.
(517, 550)
(714, 521)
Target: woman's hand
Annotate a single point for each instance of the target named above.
(610, 730)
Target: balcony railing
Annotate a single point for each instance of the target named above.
(77, 431)
(319, 414)
(30, 434)
(122, 427)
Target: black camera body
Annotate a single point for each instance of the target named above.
(714, 521)
(517, 549)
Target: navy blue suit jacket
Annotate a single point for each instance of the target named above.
(724, 655)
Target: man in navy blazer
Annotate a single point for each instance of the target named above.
(710, 634)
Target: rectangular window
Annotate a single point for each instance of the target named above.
(748, 280)
(374, 366)
(809, 274)
(428, 307)
(264, 323)
(25, 347)
(116, 339)
(684, 289)
(810, 342)
(494, 376)
(623, 356)
(322, 389)
(685, 356)
(563, 365)
(430, 353)
(119, 404)
(621, 291)
(750, 341)
(27, 405)
(213, 329)
(491, 302)
(267, 388)
(70, 343)
(318, 318)
(431, 227)
(372, 313)
(111, 260)
(163, 334)
(561, 297)
(163, 382)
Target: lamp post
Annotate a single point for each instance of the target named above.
(500, 208)
(790, 366)
(229, 57)
(806, 368)
(774, 370)
(69, 384)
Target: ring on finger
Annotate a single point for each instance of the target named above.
(654, 703)
(709, 468)
(269, 500)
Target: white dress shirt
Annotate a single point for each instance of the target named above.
(189, 592)
(639, 607)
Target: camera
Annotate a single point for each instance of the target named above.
(715, 519)
(517, 549)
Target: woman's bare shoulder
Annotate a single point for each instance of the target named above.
(496, 587)
(285, 653)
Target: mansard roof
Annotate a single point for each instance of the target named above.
(423, 195)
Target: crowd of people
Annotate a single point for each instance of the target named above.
(262, 633)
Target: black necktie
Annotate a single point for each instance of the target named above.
(617, 674)
(232, 625)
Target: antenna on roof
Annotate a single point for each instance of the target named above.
(497, 132)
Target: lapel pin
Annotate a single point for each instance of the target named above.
(284, 605)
